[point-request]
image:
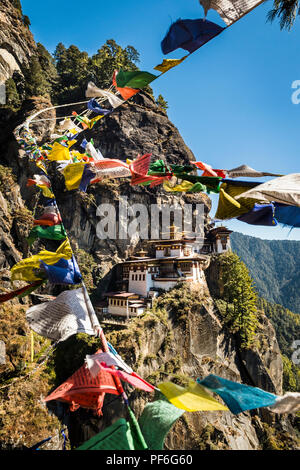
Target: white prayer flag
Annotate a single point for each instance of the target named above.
(230, 10)
(63, 317)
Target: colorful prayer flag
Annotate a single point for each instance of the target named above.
(189, 35)
(238, 397)
(25, 269)
(168, 64)
(192, 398)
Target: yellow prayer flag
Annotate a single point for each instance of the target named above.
(73, 175)
(41, 165)
(23, 271)
(168, 64)
(192, 398)
(183, 187)
(228, 206)
(59, 152)
(46, 191)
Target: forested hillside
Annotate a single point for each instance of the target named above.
(274, 266)
(287, 327)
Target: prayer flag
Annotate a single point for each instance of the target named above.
(63, 272)
(208, 170)
(94, 106)
(94, 92)
(133, 379)
(288, 216)
(59, 152)
(261, 214)
(230, 10)
(247, 172)
(285, 189)
(228, 206)
(110, 167)
(192, 398)
(61, 318)
(54, 232)
(168, 64)
(25, 269)
(133, 79)
(156, 421)
(20, 292)
(109, 359)
(189, 35)
(80, 390)
(121, 435)
(238, 397)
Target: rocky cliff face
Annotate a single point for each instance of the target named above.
(183, 337)
(16, 41)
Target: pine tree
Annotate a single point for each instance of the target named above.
(241, 298)
(36, 82)
(162, 103)
(286, 11)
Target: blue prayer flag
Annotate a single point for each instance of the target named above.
(260, 214)
(238, 397)
(94, 106)
(63, 272)
(189, 35)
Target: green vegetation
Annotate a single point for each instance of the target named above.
(273, 265)
(287, 327)
(237, 303)
(63, 78)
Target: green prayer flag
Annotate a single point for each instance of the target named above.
(156, 421)
(54, 232)
(135, 79)
(121, 435)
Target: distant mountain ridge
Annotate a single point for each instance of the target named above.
(274, 266)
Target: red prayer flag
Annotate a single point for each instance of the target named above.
(81, 390)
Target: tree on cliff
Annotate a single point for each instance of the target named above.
(240, 297)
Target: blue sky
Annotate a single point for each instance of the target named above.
(231, 100)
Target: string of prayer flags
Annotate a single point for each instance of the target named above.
(230, 10)
(285, 189)
(62, 317)
(93, 91)
(29, 269)
(260, 214)
(20, 292)
(133, 379)
(121, 435)
(63, 272)
(245, 171)
(189, 35)
(288, 403)
(54, 232)
(82, 391)
(86, 122)
(192, 398)
(156, 421)
(238, 397)
(208, 170)
(109, 359)
(68, 125)
(94, 106)
(168, 64)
